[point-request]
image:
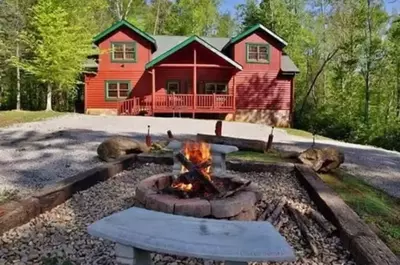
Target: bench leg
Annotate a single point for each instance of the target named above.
(127, 255)
(235, 263)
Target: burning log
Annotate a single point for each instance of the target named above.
(277, 211)
(301, 223)
(320, 219)
(232, 192)
(197, 171)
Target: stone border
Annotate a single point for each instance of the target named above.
(364, 245)
(16, 213)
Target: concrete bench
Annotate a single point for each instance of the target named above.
(137, 232)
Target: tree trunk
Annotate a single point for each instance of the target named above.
(398, 87)
(368, 67)
(48, 102)
(157, 15)
(328, 58)
(18, 107)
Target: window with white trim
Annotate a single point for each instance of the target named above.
(117, 89)
(123, 51)
(217, 88)
(257, 53)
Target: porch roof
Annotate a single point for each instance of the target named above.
(176, 43)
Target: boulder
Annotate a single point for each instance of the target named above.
(322, 159)
(117, 146)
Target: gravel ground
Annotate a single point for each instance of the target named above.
(36, 154)
(62, 233)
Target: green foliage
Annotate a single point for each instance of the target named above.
(8, 118)
(349, 81)
(59, 47)
(374, 206)
(352, 94)
(8, 195)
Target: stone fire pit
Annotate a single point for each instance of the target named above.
(238, 205)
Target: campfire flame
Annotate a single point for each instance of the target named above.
(197, 153)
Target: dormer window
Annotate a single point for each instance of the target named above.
(257, 53)
(123, 51)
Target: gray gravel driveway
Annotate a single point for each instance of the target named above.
(39, 153)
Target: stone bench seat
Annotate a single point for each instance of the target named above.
(138, 232)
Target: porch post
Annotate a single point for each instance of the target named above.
(234, 96)
(153, 90)
(194, 81)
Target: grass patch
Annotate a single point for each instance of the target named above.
(269, 157)
(8, 118)
(8, 195)
(375, 207)
(305, 134)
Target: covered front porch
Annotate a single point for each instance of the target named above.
(178, 103)
(193, 77)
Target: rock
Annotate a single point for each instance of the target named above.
(118, 146)
(322, 159)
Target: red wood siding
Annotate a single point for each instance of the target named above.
(259, 86)
(258, 37)
(134, 72)
(204, 56)
(185, 77)
(257, 90)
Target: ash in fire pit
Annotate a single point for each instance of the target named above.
(200, 186)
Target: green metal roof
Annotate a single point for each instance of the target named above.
(180, 44)
(124, 23)
(168, 42)
(250, 31)
(168, 45)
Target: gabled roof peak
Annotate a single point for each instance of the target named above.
(251, 30)
(125, 23)
(186, 42)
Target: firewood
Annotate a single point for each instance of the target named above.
(320, 219)
(277, 211)
(205, 164)
(232, 192)
(196, 170)
(267, 211)
(300, 220)
(279, 224)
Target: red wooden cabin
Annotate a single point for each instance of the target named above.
(245, 78)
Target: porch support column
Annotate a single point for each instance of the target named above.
(153, 90)
(234, 96)
(194, 81)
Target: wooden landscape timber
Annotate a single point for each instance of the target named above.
(241, 143)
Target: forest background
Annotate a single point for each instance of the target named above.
(348, 53)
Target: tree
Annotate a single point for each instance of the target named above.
(13, 20)
(226, 25)
(59, 48)
(197, 17)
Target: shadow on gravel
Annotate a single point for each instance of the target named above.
(32, 160)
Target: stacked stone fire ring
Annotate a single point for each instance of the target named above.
(239, 205)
